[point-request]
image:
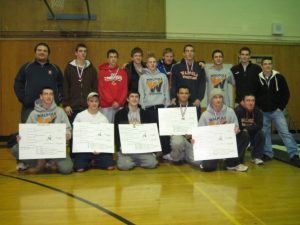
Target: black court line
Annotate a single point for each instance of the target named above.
(110, 213)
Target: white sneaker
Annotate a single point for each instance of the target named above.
(257, 161)
(239, 168)
(21, 166)
(167, 157)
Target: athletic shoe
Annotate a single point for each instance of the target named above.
(239, 168)
(21, 166)
(295, 160)
(257, 161)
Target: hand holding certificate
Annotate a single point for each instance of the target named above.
(214, 142)
(177, 121)
(141, 138)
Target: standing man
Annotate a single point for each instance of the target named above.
(218, 113)
(245, 75)
(132, 114)
(272, 97)
(112, 85)
(189, 73)
(80, 78)
(251, 121)
(219, 77)
(153, 89)
(165, 65)
(135, 68)
(35, 75)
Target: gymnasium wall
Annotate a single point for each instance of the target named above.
(233, 20)
(13, 53)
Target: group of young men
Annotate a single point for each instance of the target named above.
(133, 95)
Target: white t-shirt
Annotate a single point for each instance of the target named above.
(85, 116)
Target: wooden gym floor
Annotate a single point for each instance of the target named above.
(170, 194)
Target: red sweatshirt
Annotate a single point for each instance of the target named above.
(112, 84)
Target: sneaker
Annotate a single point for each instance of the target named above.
(21, 166)
(167, 157)
(295, 160)
(257, 161)
(239, 168)
(266, 158)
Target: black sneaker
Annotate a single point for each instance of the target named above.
(295, 160)
(266, 158)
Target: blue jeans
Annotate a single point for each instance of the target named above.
(283, 131)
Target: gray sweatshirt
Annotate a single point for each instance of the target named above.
(211, 117)
(52, 115)
(154, 89)
(219, 79)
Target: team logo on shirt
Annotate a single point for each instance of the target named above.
(247, 122)
(155, 85)
(217, 120)
(218, 80)
(113, 78)
(49, 72)
(46, 118)
(189, 75)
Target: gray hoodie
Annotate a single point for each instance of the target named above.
(211, 117)
(154, 89)
(52, 115)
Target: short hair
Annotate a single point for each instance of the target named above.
(168, 50)
(264, 59)
(133, 92)
(114, 51)
(151, 56)
(247, 94)
(182, 87)
(188, 45)
(136, 50)
(245, 49)
(42, 44)
(80, 45)
(217, 51)
(44, 88)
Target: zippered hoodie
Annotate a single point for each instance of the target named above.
(211, 117)
(273, 93)
(112, 85)
(52, 115)
(75, 92)
(153, 89)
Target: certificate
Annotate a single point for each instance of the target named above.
(139, 138)
(177, 121)
(214, 142)
(93, 137)
(42, 141)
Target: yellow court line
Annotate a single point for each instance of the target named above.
(215, 203)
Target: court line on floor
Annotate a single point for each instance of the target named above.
(104, 210)
(215, 203)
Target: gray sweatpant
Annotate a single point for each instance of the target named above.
(181, 149)
(129, 161)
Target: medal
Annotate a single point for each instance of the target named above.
(183, 111)
(80, 72)
(189, 71)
